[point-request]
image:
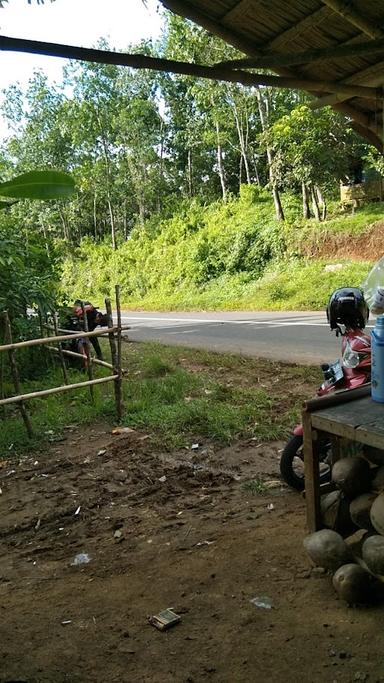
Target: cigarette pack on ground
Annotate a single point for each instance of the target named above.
(164, 619)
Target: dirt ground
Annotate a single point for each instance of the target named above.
(162, 530)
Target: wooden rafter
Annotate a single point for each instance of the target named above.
(185, 9)
(139, 61)
(351, 15)
(293, 32)
(371, 76)
(236, 11)
(276, 59)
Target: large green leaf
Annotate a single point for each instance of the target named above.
(39, 185)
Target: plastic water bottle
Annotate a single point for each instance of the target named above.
(377, 376)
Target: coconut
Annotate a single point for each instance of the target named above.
(360, 509)
(352, 583)
(378, 481)
(373, 554)
(352, 476)
(375, 455)
(377, 513)
(327, 549)
(335, 513)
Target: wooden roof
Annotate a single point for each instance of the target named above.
(334, 48)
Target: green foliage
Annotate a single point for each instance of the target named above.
(312, 147)
(303, 284)
(39, 185)
(198, 245)
(27, 273)
(222, 256)
(176, 405)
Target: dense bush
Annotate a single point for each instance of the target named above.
(220, 256)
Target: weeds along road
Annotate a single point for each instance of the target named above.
(299, 337)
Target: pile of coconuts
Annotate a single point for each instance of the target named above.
(357, 505)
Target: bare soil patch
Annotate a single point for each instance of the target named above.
(367, 246)
(176, 529)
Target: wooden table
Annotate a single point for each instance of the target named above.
(348, 415)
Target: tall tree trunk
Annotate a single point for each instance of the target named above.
(112, 220)
(315, 204)
(125, 220)
(306, 209)
(220, 165)
(242, 143)
(263, 113)
(95, 214)
(190, 173)
(108, 183)
(321, 201)
(161, 166)
(64, 223)
(254, 158)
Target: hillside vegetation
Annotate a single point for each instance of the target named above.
(231, 255)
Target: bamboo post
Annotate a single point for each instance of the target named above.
(40, 316)
(115, 361)
(2, 376)
(119, 358)
(89, 364)
(60, 350)
(15, 376)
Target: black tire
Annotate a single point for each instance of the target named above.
(292, 463)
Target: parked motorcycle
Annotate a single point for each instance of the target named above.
(347, 314)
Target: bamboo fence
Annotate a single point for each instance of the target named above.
(54, 345)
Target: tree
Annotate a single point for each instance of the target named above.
(311, 150)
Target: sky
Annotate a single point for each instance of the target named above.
(73, 22)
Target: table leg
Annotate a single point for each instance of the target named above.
(312, 475)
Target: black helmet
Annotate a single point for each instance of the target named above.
(347, 307)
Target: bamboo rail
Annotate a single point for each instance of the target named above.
(11, 347)
(73, 354)
(60, 338)
(56, 390)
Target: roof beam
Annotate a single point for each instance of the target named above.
(293, 32)
(371, 76)
(186, 10)
(353, 17)
(276, 59)
(139, 61)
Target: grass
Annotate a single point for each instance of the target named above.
(255, 487)
(52, 413)
(177, 395)
(294, 284)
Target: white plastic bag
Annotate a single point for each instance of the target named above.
(373, 288)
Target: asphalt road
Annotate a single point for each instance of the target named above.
(303, 337)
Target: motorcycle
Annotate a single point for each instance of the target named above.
(353, 370)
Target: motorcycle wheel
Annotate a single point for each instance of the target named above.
(292, 463)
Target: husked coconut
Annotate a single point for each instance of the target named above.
(360, 509)
(352, 584)
(377, 513)
(352, 476)
(373, 554)
(375, 455)
(327, 549)
(335, 513)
